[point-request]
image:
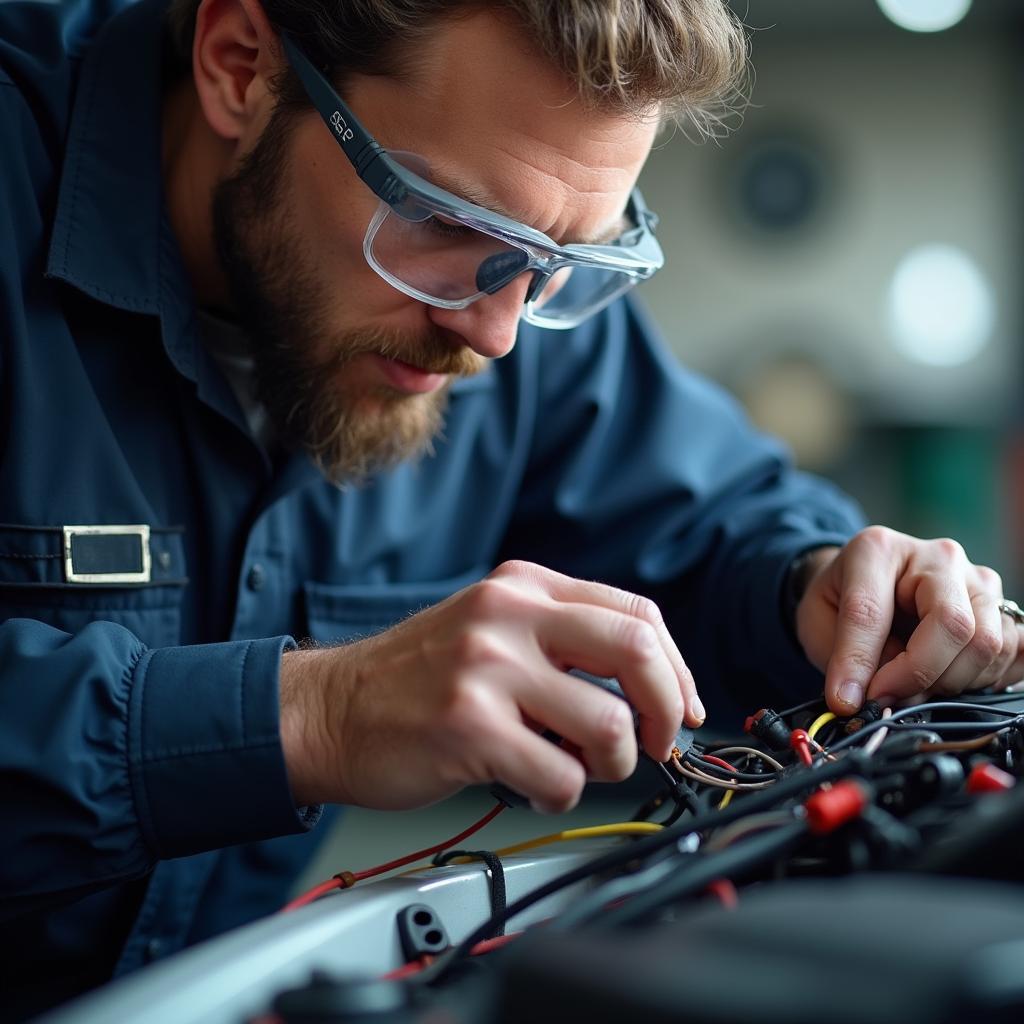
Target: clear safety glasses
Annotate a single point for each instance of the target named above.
(448, 252)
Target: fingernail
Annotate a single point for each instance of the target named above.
(698, 710)
(852, 694)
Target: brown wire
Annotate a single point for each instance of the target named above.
(975, 744)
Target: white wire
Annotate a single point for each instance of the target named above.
(879, 738)
(752, 751)
(709, 780)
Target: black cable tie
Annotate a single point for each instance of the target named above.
(495, 880)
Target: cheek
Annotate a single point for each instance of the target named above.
(330, 215)
(330, 211)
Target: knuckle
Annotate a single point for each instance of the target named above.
(863, 610)
(638, 638)
(987, 644)
(614, 725)
(921, 678)
(862, 662)
(490, 598)
(477, 647)
(644, 608)
(878, 537)
(957, 622)
(990, 579)
(514, 567)
(951, 549)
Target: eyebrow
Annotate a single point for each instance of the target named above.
(473, 193)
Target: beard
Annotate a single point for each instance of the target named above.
(302, 362)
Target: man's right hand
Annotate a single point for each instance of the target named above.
(457, 694)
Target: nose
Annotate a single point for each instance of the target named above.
(489, 325)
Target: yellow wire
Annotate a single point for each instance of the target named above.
(624, 828)
(819, 722)
(725, 800)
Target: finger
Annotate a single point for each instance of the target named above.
(611, 643)
(1000, 667)
(549, 777)
(569, 590)
(1014, 671)
(978, 663)
(597, 723)
(863, 621)
(946, 628)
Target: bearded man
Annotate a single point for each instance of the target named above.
(314, 323)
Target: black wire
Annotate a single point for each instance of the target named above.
(724, 773)
(894, 719)
(701, 872)
(955, 727)
(680, 809)
(797, 708)
(495, 880)
(800, 781)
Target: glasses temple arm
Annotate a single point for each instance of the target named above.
(365, 154)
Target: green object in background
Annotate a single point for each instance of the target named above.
(949, 482)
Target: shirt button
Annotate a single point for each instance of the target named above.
(256, 577)
(154, 949)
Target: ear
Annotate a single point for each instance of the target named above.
(235, 52)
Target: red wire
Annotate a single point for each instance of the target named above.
(412, 967)
(718, 761)
(350, 878)
(415, 966)
(723, 890)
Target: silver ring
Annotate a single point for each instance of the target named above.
(1014, 610)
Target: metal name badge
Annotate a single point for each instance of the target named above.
(107, 554)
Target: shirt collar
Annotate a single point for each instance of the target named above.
(111, 238)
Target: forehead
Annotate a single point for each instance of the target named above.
(500, 123)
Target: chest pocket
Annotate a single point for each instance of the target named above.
(338, 613)
(34, 581)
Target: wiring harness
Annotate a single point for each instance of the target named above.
(802, 793)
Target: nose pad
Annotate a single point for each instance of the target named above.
(498, 270)
(537, 282)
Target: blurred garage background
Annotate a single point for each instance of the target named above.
(848, 258)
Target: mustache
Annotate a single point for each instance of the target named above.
(432, 351)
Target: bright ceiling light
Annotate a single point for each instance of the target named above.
(941, 308)
(924, 15)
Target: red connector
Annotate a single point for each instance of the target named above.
(801, 743)
(987, 778)
(829, 808)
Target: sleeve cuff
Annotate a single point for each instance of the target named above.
(204, 750)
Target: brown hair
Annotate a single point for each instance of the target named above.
(688, 56)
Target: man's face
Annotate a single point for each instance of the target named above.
(351, 369)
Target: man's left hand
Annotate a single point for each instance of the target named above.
(889, 618)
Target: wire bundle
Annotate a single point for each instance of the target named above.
(746, 810)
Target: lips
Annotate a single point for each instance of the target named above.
(409, 378)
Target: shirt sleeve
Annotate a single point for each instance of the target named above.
(113, 756)
(647, 476)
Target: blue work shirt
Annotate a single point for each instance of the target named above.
(145, 798)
